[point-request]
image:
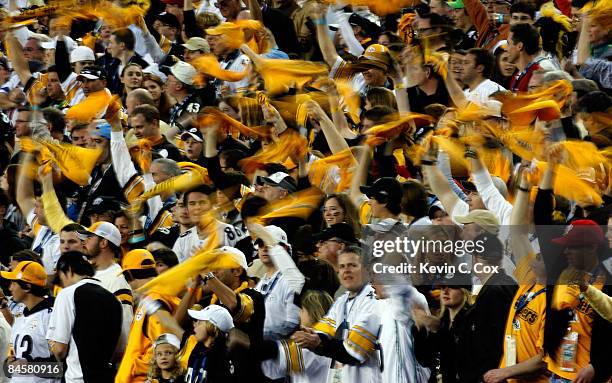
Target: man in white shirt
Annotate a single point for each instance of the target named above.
(281, 284)
(476, 70)
(221, 40)
(478, 65)
(85, 326)
(103, 247)
(199, 202)
(349, 332)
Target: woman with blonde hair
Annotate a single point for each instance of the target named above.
(165, 366)
(454, 302)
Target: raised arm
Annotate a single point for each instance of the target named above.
(354, 46)
(25, 187)
(150, 43)
(338, 117)
(335, 141)
(280, 258)
(583, 48)
(438, 184)
(56, 218)
(455, 92)
(491, 196)
(191, 27)
(519, 221)
(360, 176)
(328, 50)
(20, 63)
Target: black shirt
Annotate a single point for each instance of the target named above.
(481, 340)
(166, 149)
(247, 368)
(103, 184)
(190, 104)
(210, 365)
(96, 331)
(419, 100)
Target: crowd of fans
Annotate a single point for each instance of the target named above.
(199, 192)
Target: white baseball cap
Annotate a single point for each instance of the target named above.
(82, 53)
(278, 234)
(184, 72)
(168, 338)
(237, 255)
(217, 315)
(107, 231)
(154, 70)
(52, 43)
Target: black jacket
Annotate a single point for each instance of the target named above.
(210, 366)
(481, 339)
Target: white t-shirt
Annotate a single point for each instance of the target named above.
(60, 330)
(480, 95)
(357, 80)
(5, 341)
(282, 314)
(234, 88)
(189, 242)
(396, 338)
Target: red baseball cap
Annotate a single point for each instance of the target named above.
(581, 232)
(173, 2)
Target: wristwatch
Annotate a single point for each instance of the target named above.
(209, 276)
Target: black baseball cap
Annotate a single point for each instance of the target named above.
(169, 19)
(93, 72)
(280, 179)
(103, 204)
(385, 189)
(342, 231)
(469, 186)
(456, 281)
(493, 249)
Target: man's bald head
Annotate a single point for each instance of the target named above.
(136, 98)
